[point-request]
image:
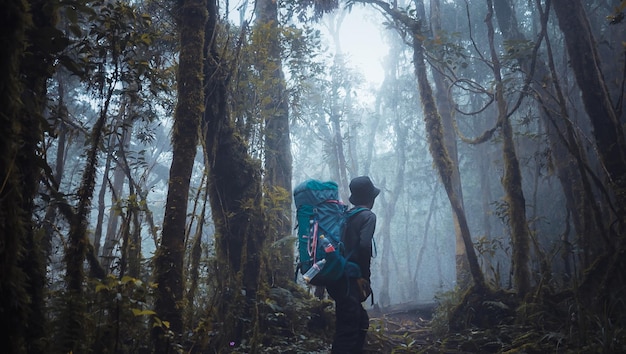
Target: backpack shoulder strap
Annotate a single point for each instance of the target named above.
(355, 211)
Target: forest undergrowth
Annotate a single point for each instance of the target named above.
(493, 322)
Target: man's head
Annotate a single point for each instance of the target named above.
(363, 191)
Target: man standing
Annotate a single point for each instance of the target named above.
(353, 288)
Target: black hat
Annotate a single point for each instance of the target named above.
(363, 191)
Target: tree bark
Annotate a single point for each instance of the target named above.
(236, 204)
(444, 101)
(390, 206)
(608, 270)
(113, 235)
(168, 261)
(278, 160)
(441, 157)
(21, 275)
(512, 180)
(568, 162)
(585, 62)
(434, 132)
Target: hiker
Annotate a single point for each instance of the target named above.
(353, 288)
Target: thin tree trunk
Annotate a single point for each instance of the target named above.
(61, 133)
(336, 112)
(97, 235)
(577, 197)
(444, 101)
(441, 157)
(168, 262)
(193, 270)
(113, 236)
(422, 249)
(512, 180)
(78, 241)
(434, 131)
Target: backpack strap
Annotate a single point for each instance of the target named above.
(351, 213)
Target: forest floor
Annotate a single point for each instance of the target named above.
(402, 329)
(298, 323)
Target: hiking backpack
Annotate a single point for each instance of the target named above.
(319, 212)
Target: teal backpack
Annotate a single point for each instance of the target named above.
(319, 212)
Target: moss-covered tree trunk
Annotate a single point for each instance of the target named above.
(436, 140)
(36, 68)
(608, 270)
(512, 179)
(193, 270)
(15, 224)
(235, 194)
(114, 177)
(441, 158)
(78, 242)
(444, 102)
(567, 157)
(434, 132)
(278, 160)
(168, 263)
(607, 129)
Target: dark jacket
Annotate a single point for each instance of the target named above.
(358, 240)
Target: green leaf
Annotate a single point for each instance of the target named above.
(126, 279)
(139, 312)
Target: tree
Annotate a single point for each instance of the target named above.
(512, 180)
(277, 152)
(567, 156)
(608, 131)
(168, 262)
(15, 201)
(444, 103)
(234, 185)
(434, 131)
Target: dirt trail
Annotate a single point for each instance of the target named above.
(404, 328)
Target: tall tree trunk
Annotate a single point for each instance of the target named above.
(444, 102)
(390, 206)
(278, 160)
(434, 132)
(97, 235)
(608, 270)
(441, 157)
(37, 66)
(61, 132)
(193, 270)
(512, 180)
(585, 62)
(559, 130)
(236, 205)
(336, 110)
(78, 242)
(168, 262)
(21, 274)
(112, 236)
(420, 254)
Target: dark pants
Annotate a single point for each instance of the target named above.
(352, 320)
